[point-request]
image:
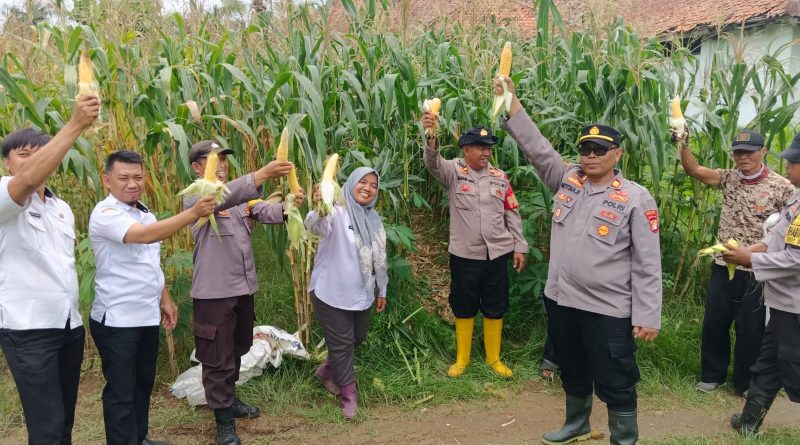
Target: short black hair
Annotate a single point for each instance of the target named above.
(23, 138)
(124, 156)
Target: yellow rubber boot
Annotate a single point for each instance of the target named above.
(492, 330)
(464, 327)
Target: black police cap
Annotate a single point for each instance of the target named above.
(748, 140)
(604, 135)
(792, 154)
(203, 148)
(477, 136)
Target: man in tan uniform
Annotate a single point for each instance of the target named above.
(750, 193)
(604, 281)
(485, 232)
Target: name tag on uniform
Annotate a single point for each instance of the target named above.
(34, 214)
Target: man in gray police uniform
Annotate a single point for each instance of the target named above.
(604, 282)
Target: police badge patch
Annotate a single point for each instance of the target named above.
(793, 234)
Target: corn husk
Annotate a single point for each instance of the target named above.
(503, 101)
(207, 185)
(718, 248)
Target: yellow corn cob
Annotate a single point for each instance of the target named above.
(328, 187)
(294, 184)
(86, 83)
(719, 247)
(676, 120)
(503, 101)
(208, 185)
(282, 153)
(434, 106)
(505, 61)
(212, 162)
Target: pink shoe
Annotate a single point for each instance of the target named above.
(325, 377)
(349, 400)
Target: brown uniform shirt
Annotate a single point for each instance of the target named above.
(224, 267)
(484, 214)
(745, 207)
(605, 255)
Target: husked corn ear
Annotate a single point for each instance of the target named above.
(207, 185)
(328, 188)
(282, 153)
(677, 121)
(210, 172)
(719, 247)
(86, 83)
(505, 61)
(434, 106)
(294, 184)
(503, 101)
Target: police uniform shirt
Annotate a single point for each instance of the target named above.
(779, 267)
(605, 255)
(129, 280)
(38, 280)
(224, 265)
(484, 213)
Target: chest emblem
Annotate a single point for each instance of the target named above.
(619, 196)
(609, 214)
(602, 230)
(465, 188)
(224, 214)
(557, 213)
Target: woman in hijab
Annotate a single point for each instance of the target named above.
(349, 273)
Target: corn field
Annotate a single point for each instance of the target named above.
(171, 80)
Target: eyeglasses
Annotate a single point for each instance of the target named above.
(597, 149)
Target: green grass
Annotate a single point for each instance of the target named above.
(770, 436)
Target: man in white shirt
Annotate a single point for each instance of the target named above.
(41, 331)
(129, 290)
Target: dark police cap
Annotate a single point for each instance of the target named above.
(203, 148)
(748, 140)
(601, 134)
(792, 153)
(477, 136)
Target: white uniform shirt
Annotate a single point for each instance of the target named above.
(38, 280)
(336, 278)
(129, 279)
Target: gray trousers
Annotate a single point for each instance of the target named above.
(344, 331)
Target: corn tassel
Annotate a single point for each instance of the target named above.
(208, 185)
(329, 189)
(503, 101)
(434, 106)
(676, 120)
(718, 248)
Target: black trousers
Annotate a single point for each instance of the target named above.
(223, 333)
(595, 350)
(778, 364)
(738, 301)
(549, 352)
(46, 365)
(129, 365)
(479, 285)
(344, 331)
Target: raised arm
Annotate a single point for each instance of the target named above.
(438, 167)
(692, 168)
(537, 149)
(44, 162)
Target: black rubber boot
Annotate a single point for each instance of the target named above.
(242, 410)
(226, 427)
(623, 427)
(576, 427)
(755, 409)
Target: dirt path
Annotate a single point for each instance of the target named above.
(519, 419)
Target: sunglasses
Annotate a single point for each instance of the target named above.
(597, 149)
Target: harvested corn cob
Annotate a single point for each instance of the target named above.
(717, 248)
(503, 101)
(434, 106)
(328, 187)
(294, 221)
(676, 119)
(208, 185)
(86, 84)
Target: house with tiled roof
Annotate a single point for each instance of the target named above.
(754, 27)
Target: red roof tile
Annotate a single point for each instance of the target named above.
(651, 17)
